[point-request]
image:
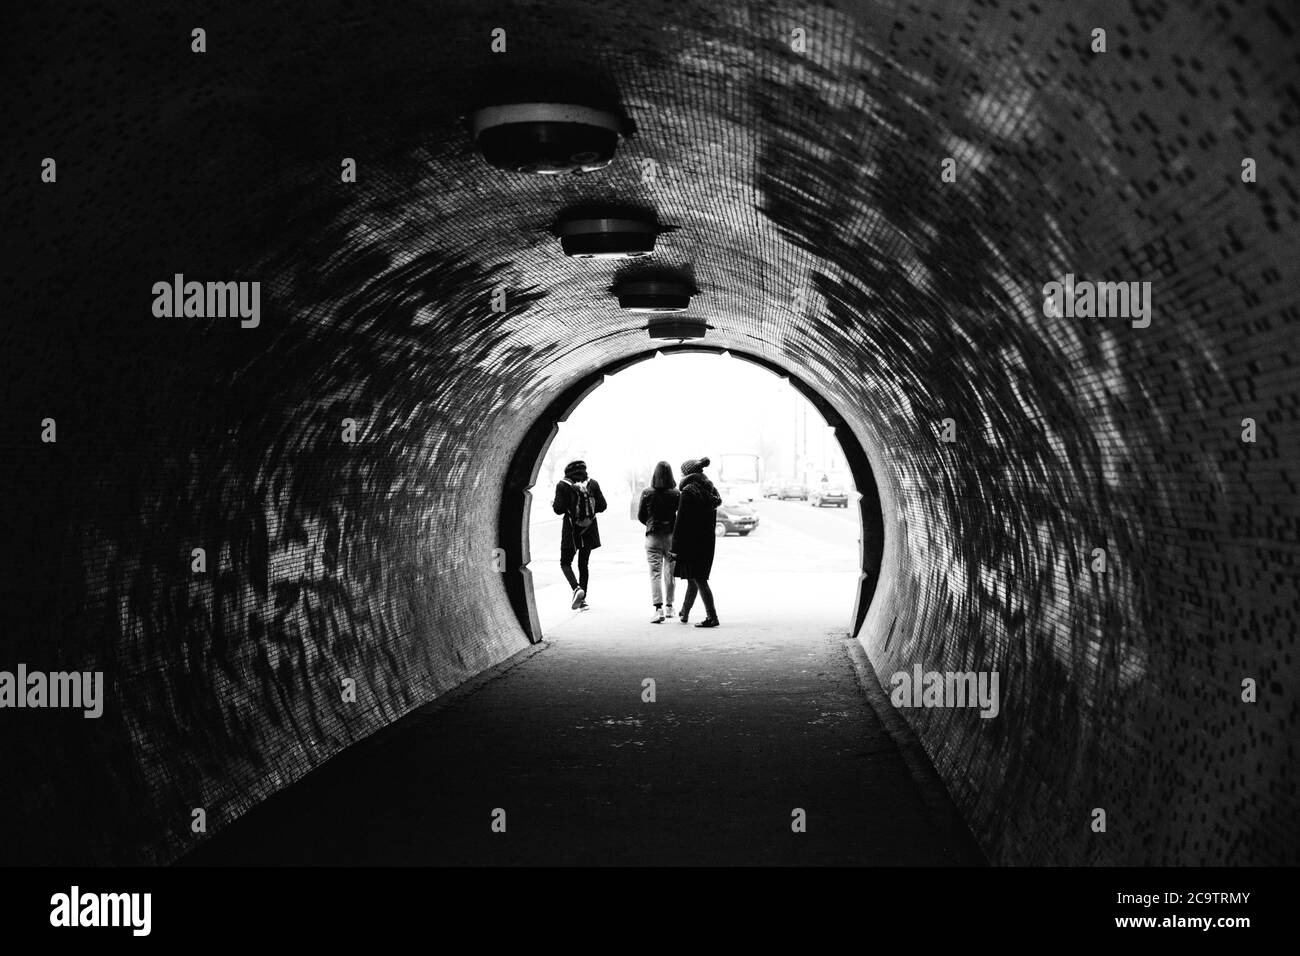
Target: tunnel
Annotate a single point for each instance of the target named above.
(523, 493)
(231, 516)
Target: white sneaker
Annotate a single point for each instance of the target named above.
(668, 610)
(659, 616)
(579, 595)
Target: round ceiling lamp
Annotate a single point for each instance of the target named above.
(653, 295)
(546, 138)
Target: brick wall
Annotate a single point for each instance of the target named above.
(810, 210)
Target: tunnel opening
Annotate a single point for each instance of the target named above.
(522, 496)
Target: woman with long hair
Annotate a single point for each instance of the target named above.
(693, 540)
(658, 513)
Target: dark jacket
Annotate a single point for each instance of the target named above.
(693, 540)
(659, 505)
(564, 492)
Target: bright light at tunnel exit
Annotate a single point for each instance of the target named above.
(676, 407)
(789, 528)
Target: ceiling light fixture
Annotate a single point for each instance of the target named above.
(676, 328)
(546, 138)
(653, 295)
(607, 237)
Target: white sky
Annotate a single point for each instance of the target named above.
(676, 407)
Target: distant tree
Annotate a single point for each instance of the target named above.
(772, 451)
(638, 476)
(562, 451)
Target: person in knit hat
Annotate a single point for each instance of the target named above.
(693, 541)
(579, 500)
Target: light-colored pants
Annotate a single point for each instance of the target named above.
(661, 567)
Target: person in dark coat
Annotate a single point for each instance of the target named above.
(658, 513)
(693, 540)
(580, 534)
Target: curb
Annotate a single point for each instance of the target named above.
(934, 793)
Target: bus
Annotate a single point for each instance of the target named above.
(740, 476)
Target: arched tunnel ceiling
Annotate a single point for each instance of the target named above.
(806, 200)
(783, 174)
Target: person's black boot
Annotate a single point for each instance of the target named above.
(709, 621)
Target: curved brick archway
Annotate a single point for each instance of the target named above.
(521, 478)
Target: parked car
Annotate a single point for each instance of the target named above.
(793, 489)
(772, 489)
(832, 493)
(735, 517)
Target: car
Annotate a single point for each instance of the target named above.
(771, 489)
(832, 493)
(734, 517)
(793, 489)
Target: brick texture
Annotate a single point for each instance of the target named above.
(805, 194)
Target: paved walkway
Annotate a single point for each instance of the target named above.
(751, 721)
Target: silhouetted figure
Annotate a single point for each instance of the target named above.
(578, 498)
(693, 540)
(658, 512)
